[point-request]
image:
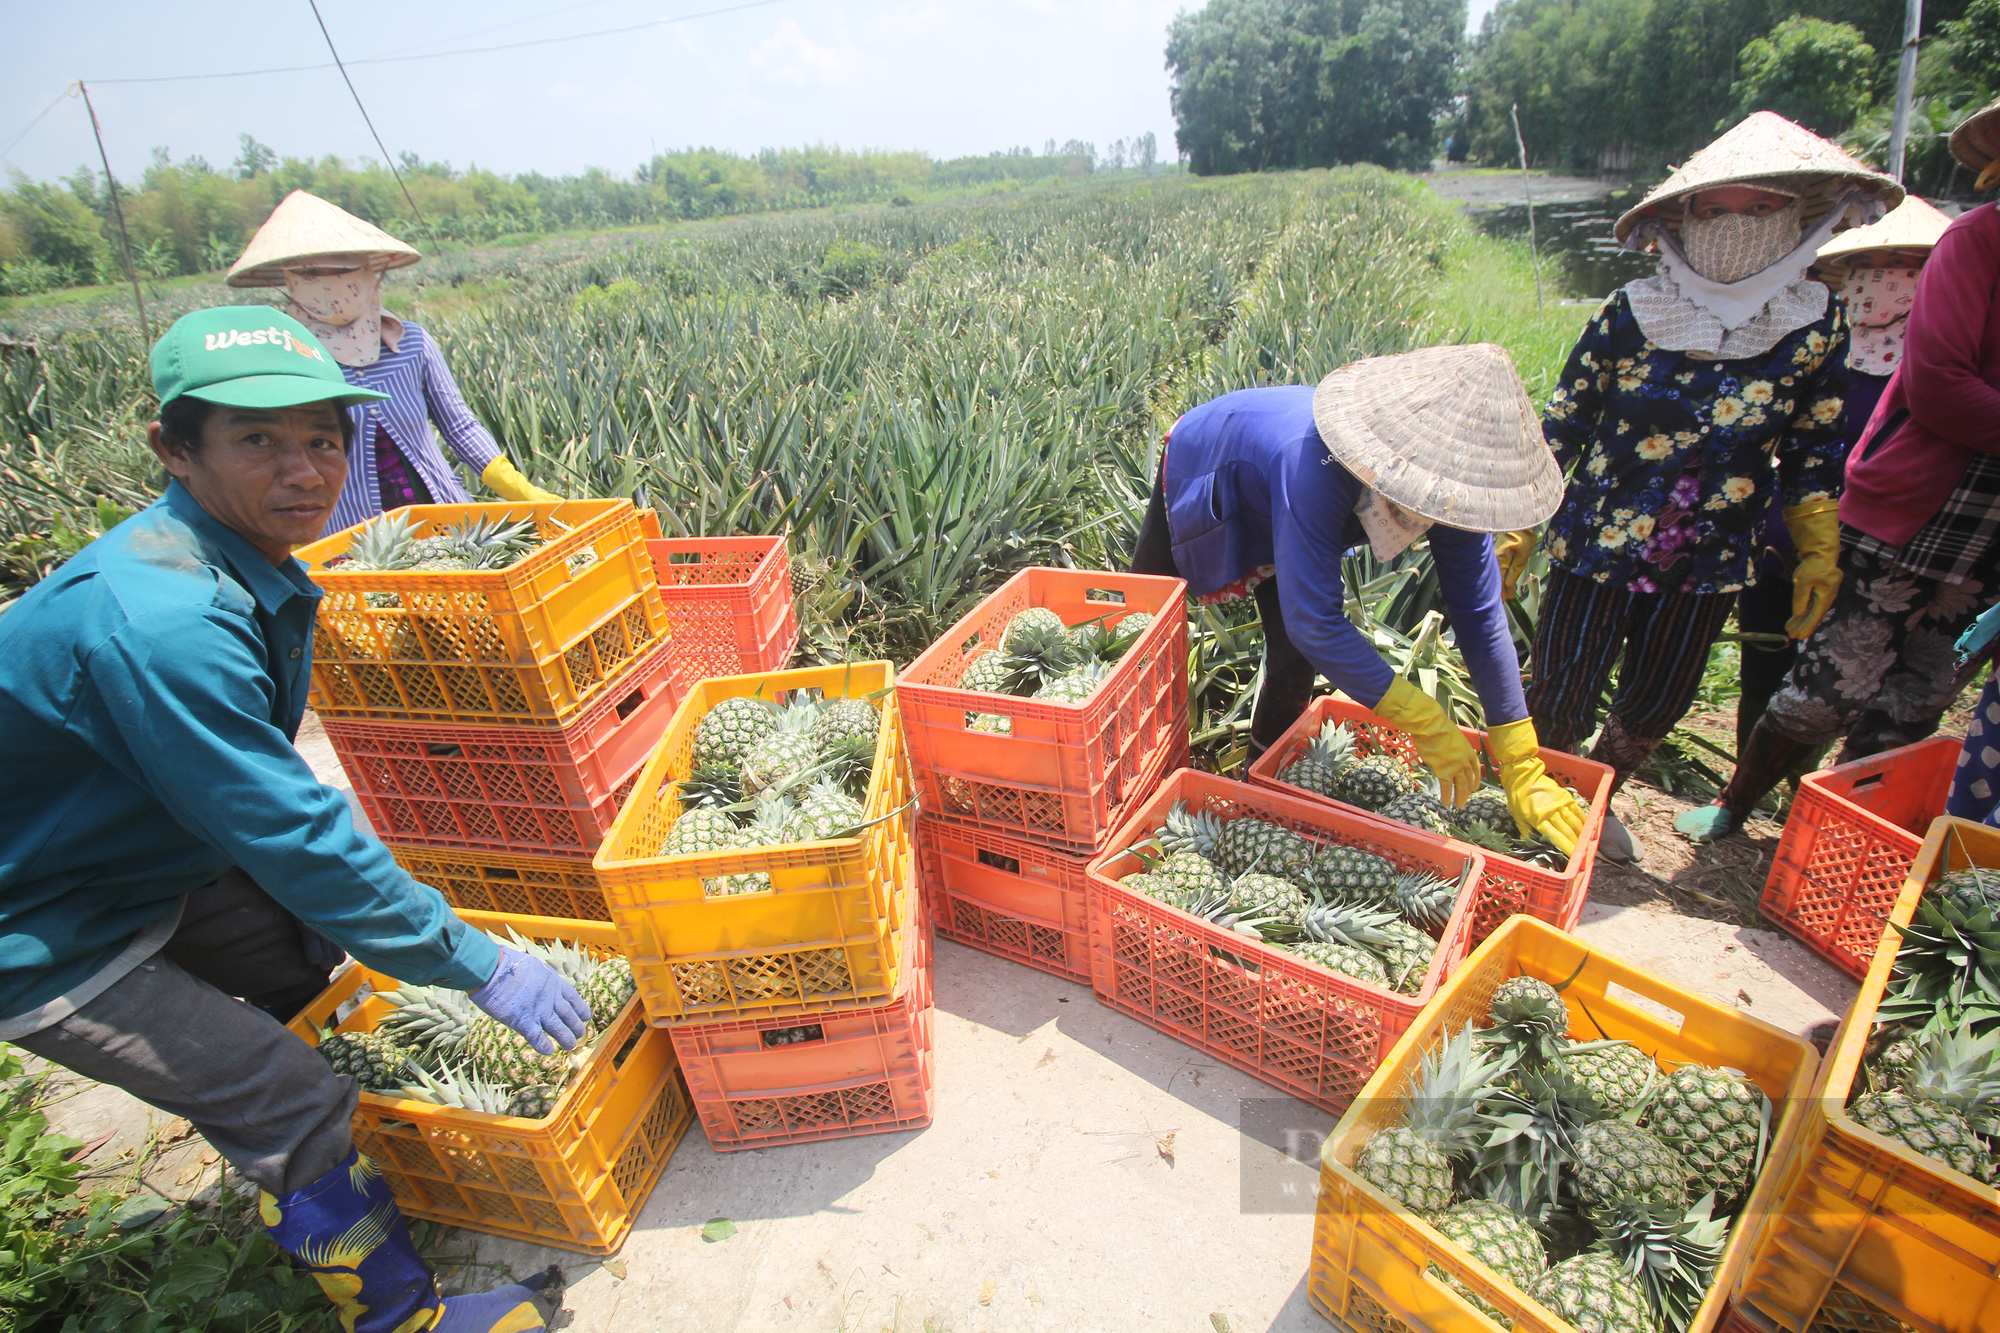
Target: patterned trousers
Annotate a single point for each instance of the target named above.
(1585, 627)
(1882, 667)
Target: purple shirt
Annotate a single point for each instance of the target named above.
(421, 393)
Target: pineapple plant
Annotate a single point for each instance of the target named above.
(1075, 686)
(1248, 843)
(1325, 757)
(1373, 782)
(1498, 1237)
(1595, 1294)
(1615, 1159)
(1718, 1122)
(1619, 1075)
(375, 1060)
(727, 731)
(784, 754)
(1415, 1163)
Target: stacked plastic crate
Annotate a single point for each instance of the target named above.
(793, 977)
(1012, 811)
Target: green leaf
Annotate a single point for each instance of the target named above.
(718, 1228)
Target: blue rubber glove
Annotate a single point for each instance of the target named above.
(1982, 632)
(532, 998)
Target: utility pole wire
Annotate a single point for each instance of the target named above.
(118, 211)
(418, 213)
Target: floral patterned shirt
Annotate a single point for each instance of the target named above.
(1672, 459)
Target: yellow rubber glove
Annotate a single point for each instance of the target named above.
(1441, 745)
(1815, 529)
(505, 480)
(1537, 802)
(1513, 550)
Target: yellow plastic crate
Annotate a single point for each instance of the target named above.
(535, 643)
(551, 886)
(827, 935)
(1370, 1254)
(1860, 1219)
(574, 1179)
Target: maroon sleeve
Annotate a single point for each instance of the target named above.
(1946, 381)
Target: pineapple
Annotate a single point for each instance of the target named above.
(728, 730)
(1407, 955)
(996, 723)
(1249, 843)
(1423, 899)
(1038, 652)
(1128, 630)
(1619, 1075)
(825, 811)
(768, 827)
(1374, 782)
(375, 1060)
(989, 673)
(1349, 875)
(1144, 881)
(1615, 1160)
(1925, 1127)
(1267, 897)
(1413, 1163)
(1950, 1097)
(1971, 889)
(607, 990)
(496, 1052)
(1488, 805)
(1717, 1121)
(780, 757)
(1189, 879)
(1345, 959)
(1075, 687)
(697, 831)
(846, 721)
(1325, 758)
(1498, 1237)
(1594, 1294)
(1419, 810)
(1528, 1017)
(430, 1020)
(1026, 625)
(1670, 1251)
(450, 1086)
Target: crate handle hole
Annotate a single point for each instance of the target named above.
(444, 750)
(630, 704)
(1625, 995)
(502, 872)
(1872, 780)
(793, 1036)
(965, 649)
(999, 862)
(1104, 595)
(684, 557)
(618, 1060)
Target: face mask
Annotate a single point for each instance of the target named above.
(1391, 529)
(1734, 246)
(344, 311)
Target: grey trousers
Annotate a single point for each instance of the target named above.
(168, 1033)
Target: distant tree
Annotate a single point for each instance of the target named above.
(1808, 70)
(252, 158)
(57, 229)
(1149, 151)
(1975, 47)
(1263, 84)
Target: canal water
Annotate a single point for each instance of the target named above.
(1574, 240)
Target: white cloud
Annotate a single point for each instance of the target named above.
(789, 56)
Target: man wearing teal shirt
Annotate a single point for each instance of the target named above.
(163, 846)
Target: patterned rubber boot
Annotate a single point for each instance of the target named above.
(346, 1229)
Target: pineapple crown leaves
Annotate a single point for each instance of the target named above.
(1333, 745)
(1950, 959)
(389, 543)
(712, 787)
(1960, 1071)
(1188, 831)
(452, 1086)
(1453, 1081)
(1672, 1251)
(491, 543)
(1534, 1126)
(1425, 899)
(1346, 923)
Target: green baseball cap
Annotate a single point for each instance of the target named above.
(249, 356)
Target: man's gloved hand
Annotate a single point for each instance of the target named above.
(1513, 550)
(505, 480)
(532, 998)
(1440, 744)
(1815, 529)
(1537, 802)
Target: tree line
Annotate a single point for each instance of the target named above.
(1618, 85)
(188, 216)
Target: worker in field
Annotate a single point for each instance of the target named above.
(1873, 270)
(1919, 537)
(163, 847)
(1260, 492)
(1689, 397)
(331, 264)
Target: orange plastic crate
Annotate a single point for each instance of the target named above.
(1008, 896)
(533, 644)
(574, 1179)
(768, 1082)
(1862, 1225)
(1511, 886)
(541, 886)
(1312, 1032)
(1371, 1257)
(1067, 773)
(542, 790)
(828, 933)
(1848, 844)
(729, 604)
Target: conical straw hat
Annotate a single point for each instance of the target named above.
(1445, 432)
(1909, 233)
(304, 225)
(1765, 149)
(1976, 141)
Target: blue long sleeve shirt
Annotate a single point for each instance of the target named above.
(150, 690)
(1250, 483)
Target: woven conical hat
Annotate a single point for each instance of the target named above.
(1976, 141)
(1765, 149)
(1910, 231)
(1445, 432)
(304, 225)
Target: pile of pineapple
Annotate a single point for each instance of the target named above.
(1331, 766)
(1039, 657)
(770, 772)
(434, 1045)
(1342, 908)
(390, 543)
(1931, 1074)
(1600, 1184)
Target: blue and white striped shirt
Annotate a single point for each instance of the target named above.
(421, 392)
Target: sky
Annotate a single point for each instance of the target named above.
(950, 77)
